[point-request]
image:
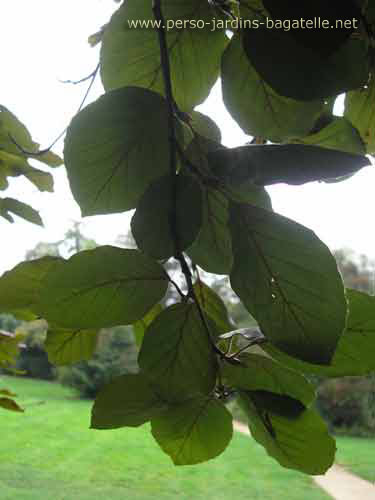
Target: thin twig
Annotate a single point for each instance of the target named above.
(93, 77)
(187, 273)
(47, 150)
(84, 79)
(247, 346)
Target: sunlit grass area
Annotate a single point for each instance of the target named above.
(50, 453)
(358, 456)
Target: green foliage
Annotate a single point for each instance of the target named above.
(194, 431)
(20, 287)
(348, 405)
(112, 152)
(9, 352)
(340, 135)
(140, 326)
(142, 146)
(213, 233)
(115, 355)
(329, 41)
(256, 107)
(10, 404)
(354, 353)
(16, 140)
(293, 164)
(194, 53)
(16, 146)
(176, 352)
(359, 112)
(33, 360)
(18, 208)
(66, 346)
(347, 402)
(153, 226)
(213, 306)
(300, 443)
(138, 404)
(103, 287)
(293, 287)
(272, 377)
(295, 74)
(8, 322)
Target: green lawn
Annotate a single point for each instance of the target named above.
(357, 455)
(49, 453)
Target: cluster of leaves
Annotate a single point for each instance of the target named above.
(142, 146)
(9, 350)
(16, 148)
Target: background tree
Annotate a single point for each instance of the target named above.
(8, 322)
(357, 271)
(74, 241)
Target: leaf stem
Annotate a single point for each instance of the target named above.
(180, 292)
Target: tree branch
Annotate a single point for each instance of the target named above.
(180, 292)
(173, 149)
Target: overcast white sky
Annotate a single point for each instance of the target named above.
(43, 42)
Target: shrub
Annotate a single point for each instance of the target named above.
(33, 359)
(116, 355)
(8, 322)
(348, 404)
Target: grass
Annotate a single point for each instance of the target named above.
(357, 455)
(49, 452)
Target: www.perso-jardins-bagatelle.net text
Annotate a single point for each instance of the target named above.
(227, 24)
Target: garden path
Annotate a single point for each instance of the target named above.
(337, 482)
